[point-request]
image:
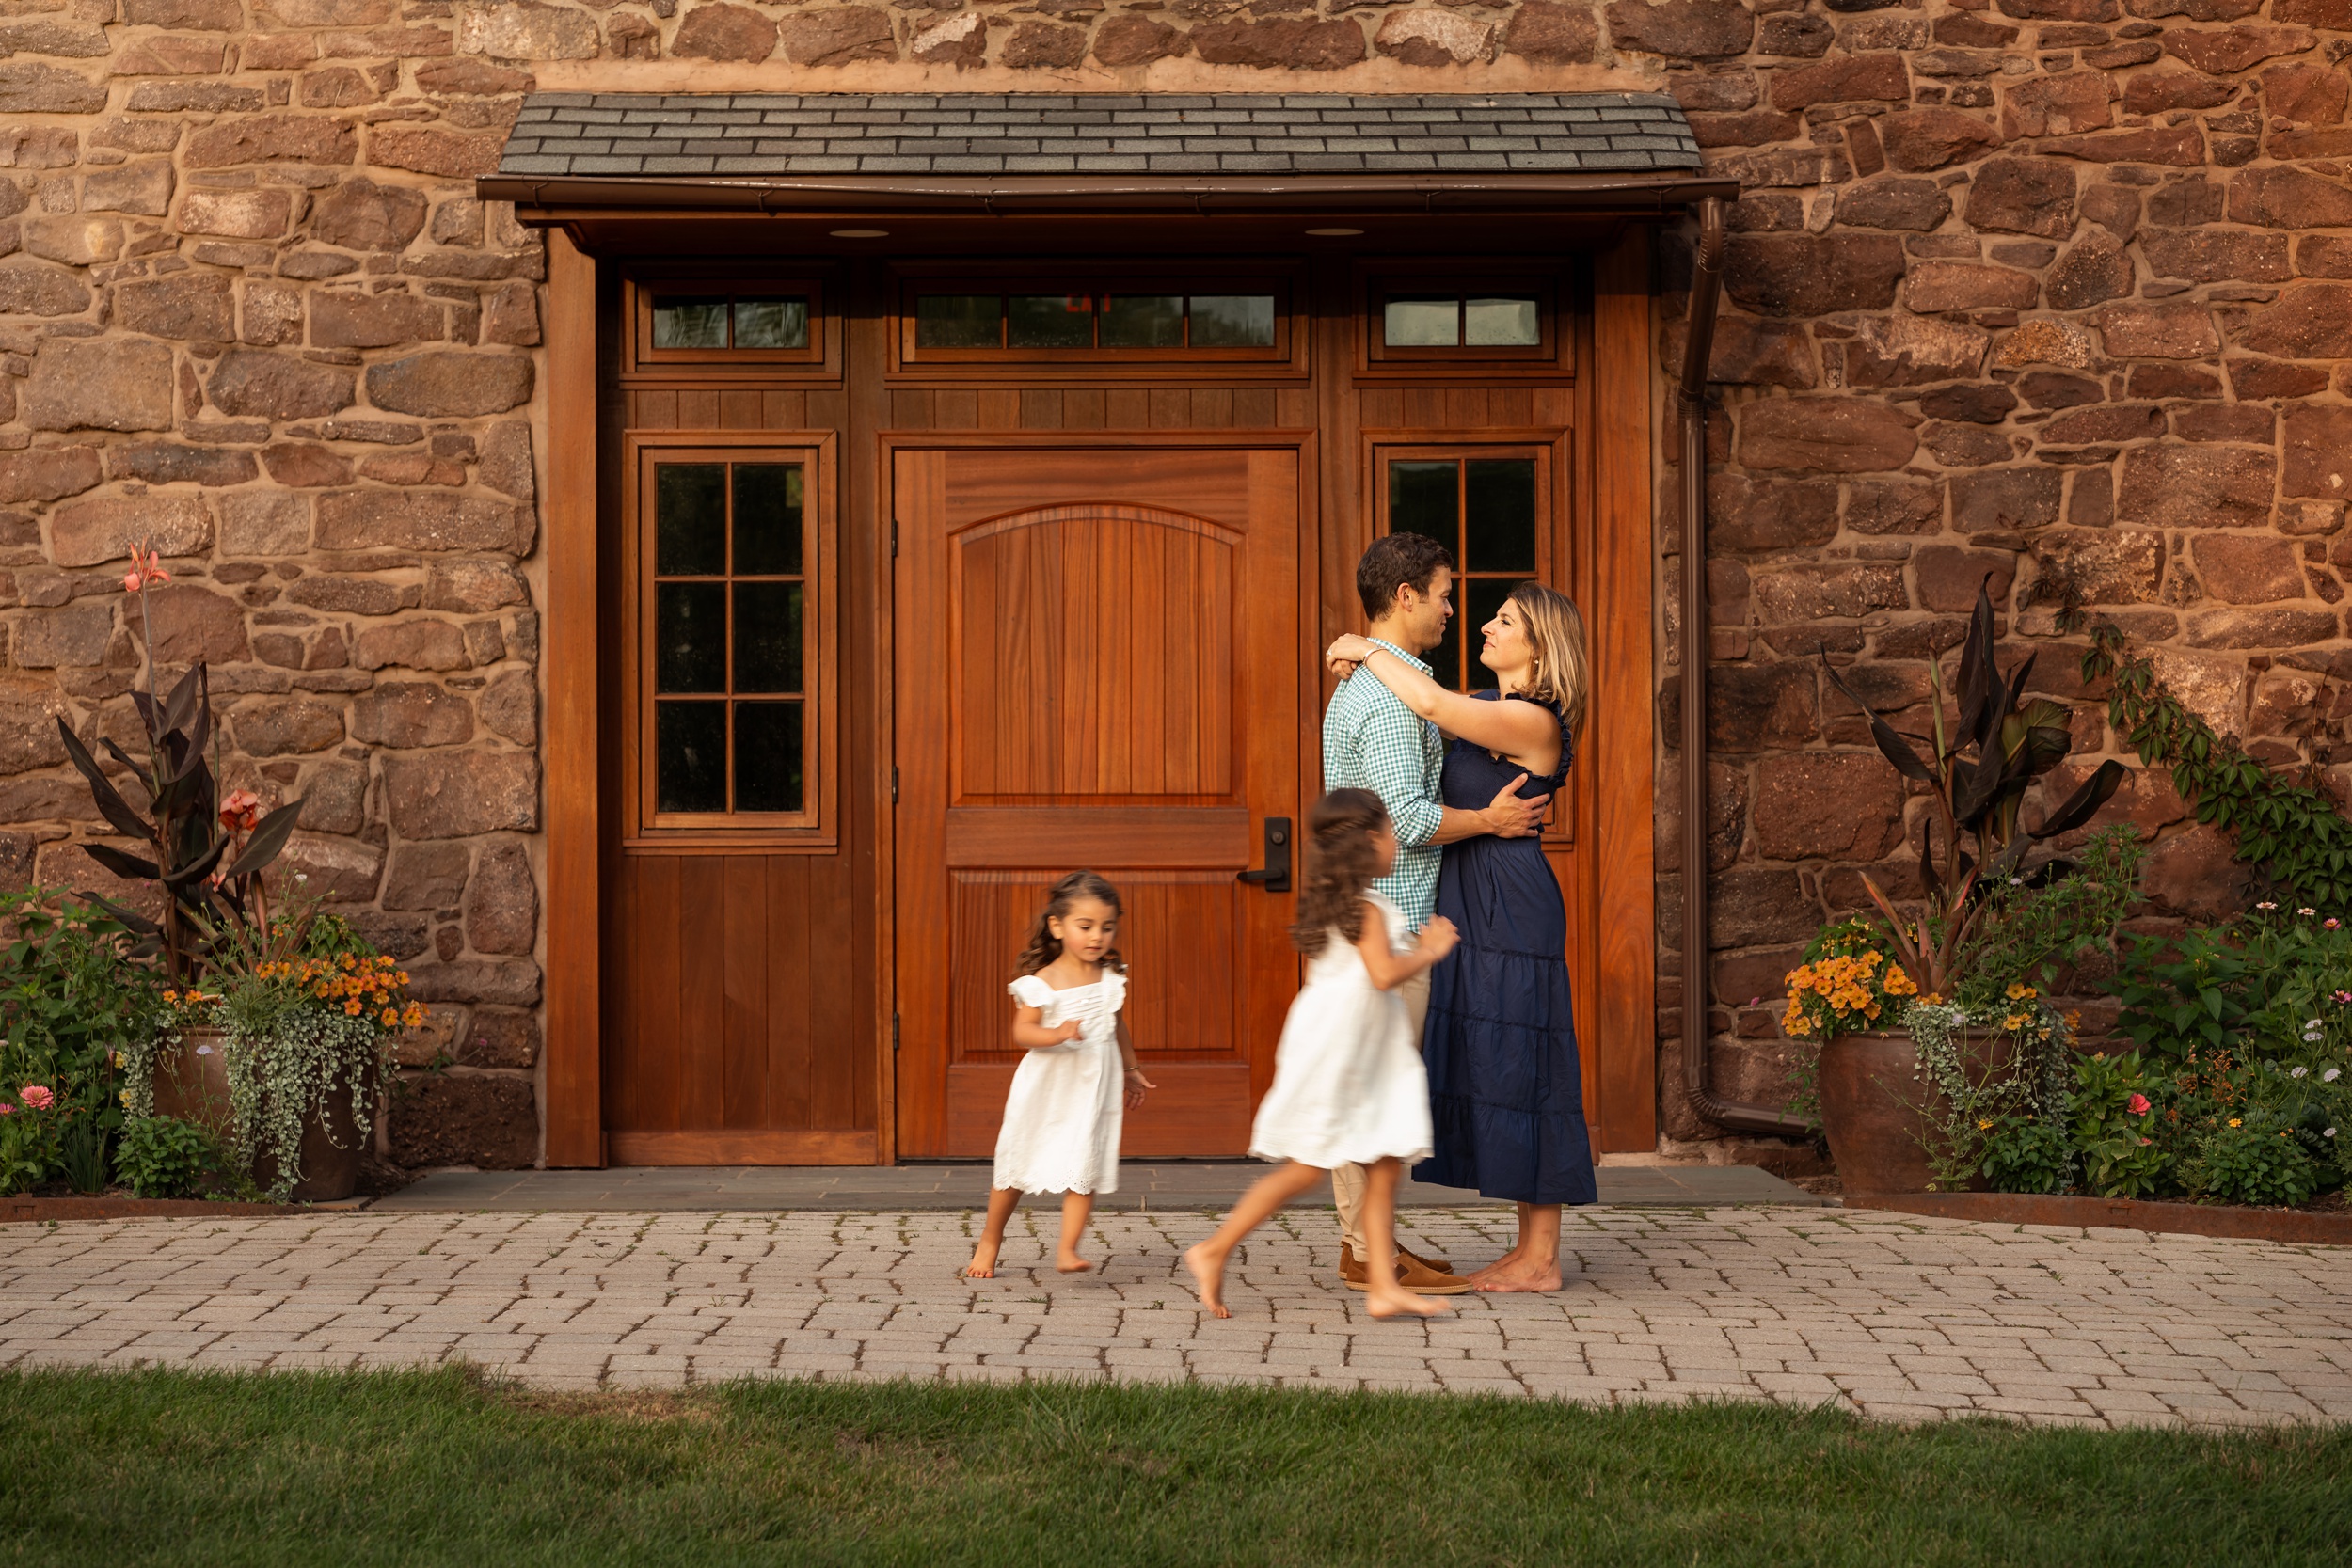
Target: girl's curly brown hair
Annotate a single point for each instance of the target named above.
(1340, 865)
(1045, 947)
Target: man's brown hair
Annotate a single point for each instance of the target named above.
(1397, 561)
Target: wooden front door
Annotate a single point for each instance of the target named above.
(1099, 664)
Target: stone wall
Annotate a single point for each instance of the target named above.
(2050, 291)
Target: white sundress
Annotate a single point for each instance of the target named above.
(1349, 1086)
(1060, 1133)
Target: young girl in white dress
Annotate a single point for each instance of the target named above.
(1348, 1083)
(1060, 1132)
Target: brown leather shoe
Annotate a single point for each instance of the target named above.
(1435, 1265)
(1410, 1273)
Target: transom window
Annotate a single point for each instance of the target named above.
(1144, 321)
(730, 322)
(730, 645)
(1462, 321)
(727, 325)
(1484, 510)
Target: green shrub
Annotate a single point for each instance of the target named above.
(2115, 1128)
(165, 1157)
(2027, 1155)
(2253, 1160)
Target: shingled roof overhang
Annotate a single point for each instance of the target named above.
(1623, 153)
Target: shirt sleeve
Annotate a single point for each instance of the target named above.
(1390, 744)
(1030, 992)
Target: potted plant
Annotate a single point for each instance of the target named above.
(1933, 1020)
(303, 1014)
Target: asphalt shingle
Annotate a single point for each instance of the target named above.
(966, 133)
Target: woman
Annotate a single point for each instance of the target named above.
(1505, 1091)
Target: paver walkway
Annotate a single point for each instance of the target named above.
(1894, 1315)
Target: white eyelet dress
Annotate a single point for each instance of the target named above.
(1349, 1087)
(1061, 1125)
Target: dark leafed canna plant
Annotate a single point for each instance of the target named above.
(1999, 741)
(209, 860)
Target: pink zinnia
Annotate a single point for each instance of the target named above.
(7, 1109)
(36, 1098)
(2140, 1104)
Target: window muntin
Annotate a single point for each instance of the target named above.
(1486, 512)
(727, 679)
(1021, 322)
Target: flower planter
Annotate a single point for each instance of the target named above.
(192, 1083)
(333, 1144)
(1870, 1101)
(192, 1080)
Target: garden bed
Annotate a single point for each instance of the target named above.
(2305, 1226)
(21, 1208)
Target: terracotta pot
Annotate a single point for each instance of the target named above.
(330, 1166)
(1870, 1112)
(192, 1080)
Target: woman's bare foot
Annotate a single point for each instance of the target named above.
(1209, 1279)
(1508, 1263)
(1526, 1276)
(1384, 1305)
(1069, 1262)
(983, 1264)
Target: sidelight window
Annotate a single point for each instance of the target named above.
(1487, 511)
(730, 655)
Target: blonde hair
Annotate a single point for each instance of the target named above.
(1560, 674)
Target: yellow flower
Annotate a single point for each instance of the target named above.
(2017, 990)
(2014, 1020)
(1983, 1125)
(2233, 1122)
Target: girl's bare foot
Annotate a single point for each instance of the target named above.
(1384, 1305)
(1209, 1279)
(1069, 1262)
(983, 1264)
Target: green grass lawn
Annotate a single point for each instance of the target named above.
(167, 1467)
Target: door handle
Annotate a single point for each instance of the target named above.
(1276, 876)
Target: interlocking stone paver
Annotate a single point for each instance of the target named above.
(1894, 1316)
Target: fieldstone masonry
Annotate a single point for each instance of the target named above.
(2056, 292)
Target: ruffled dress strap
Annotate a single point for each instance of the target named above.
(1114, 984)
(1031, 991)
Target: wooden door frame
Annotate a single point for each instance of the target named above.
(1613, 469)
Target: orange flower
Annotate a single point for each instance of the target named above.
(352, 1006)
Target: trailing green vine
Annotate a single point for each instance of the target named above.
(2293, 832)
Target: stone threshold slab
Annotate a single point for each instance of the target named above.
(1141, 1186)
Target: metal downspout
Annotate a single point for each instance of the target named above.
(1697, 980)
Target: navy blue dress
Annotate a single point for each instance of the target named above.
(1505, 1091)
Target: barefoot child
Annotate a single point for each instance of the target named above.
(1348, 1083)
(1061, 1119)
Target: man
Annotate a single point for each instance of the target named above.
(1372, 740)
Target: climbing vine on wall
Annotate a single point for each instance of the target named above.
(2291, 831)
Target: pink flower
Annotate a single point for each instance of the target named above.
(241, 810)
(36, 1098)
(7, 1109)
(2140, 1104)
(2331, 923)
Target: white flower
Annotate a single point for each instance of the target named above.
(2017, 881)
(2329, 1133)
(2265, 904)
(2297, 1073)
(2331, 1075)
(2307, 911)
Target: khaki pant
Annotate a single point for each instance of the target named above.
(1348, 1182)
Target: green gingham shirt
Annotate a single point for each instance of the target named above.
(1372, 740)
